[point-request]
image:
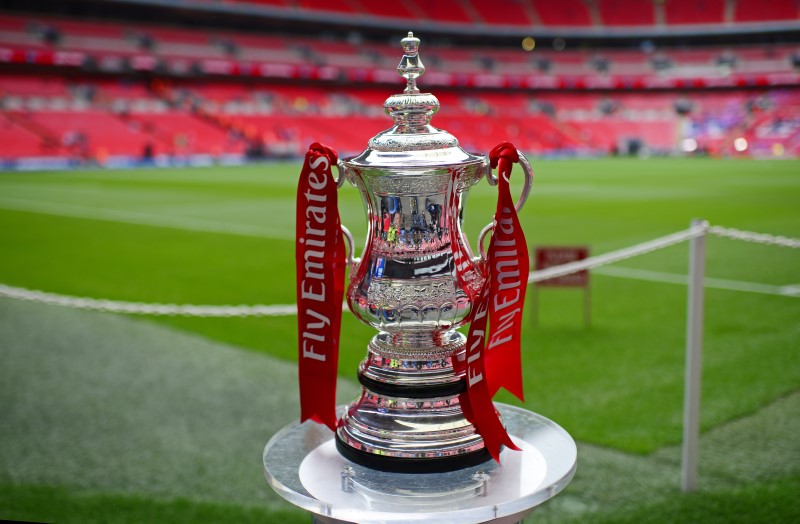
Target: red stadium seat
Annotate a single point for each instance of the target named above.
(341, 6)
(627, 12)
(694, 12)
(563, 12)
(33, 85)
(445, 11)
(20, 142)
(390, 9)
(503, 12)
(760, 11)
(104, 133)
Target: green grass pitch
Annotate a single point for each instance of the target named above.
(224, 235)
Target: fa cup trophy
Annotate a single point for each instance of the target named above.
(426, 403)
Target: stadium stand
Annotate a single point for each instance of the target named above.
(565, 13)
(226, 52)
(98, 90)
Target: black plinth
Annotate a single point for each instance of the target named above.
(412, 465)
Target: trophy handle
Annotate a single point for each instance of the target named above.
(348, 236)
(348, 239)
(341, 169)
(526, 191)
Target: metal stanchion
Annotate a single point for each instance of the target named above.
(694, 358)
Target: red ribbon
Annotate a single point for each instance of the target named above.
(508, 276)
(320, 259)
(476, 400)
(498, 299)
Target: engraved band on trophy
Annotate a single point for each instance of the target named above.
(416, 283)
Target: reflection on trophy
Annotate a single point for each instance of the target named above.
(414, 180)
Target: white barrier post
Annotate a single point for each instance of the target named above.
(694, 358)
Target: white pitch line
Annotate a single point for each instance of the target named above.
(714, 283)
(142, 219)
(792, 290)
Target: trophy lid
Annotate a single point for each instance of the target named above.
(412, 141)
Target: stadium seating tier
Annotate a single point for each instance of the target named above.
(262, 103)
(564, 13)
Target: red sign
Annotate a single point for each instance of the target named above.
(555, 256)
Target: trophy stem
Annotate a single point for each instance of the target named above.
(419, 339)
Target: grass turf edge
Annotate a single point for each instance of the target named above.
(36, 503)
(773, 501)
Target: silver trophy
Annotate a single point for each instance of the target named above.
(413, 178)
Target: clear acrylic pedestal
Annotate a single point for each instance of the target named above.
(302, 465)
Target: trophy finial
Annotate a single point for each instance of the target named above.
(411, 110)
(411, 66)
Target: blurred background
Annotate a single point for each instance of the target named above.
(113, 82)
(150, 151)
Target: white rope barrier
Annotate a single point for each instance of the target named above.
(260, 310)
(616, 256)
(758, 238)
(138, 308)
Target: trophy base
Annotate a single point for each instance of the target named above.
(412, 465)
(302, 464)
(408, 418)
